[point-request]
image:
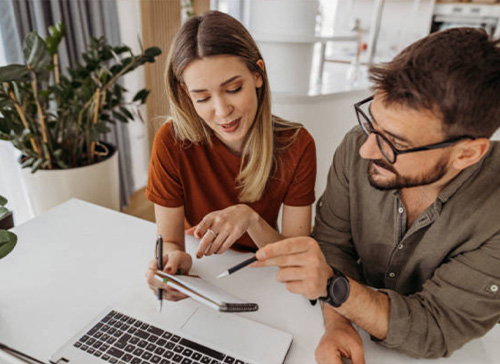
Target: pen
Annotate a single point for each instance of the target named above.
(237, 267)
(159, 257)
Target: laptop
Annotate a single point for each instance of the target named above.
(200, 336)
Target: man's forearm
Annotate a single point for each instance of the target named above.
(332, 318)
(368, 309)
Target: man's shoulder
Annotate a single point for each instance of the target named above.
(489, 168)
(489, 171)
(493, 157)
(352, 141)
(347, 156)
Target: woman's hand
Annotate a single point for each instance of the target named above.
(174, 261)
(220, 229)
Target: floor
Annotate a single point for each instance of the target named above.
(139, 206)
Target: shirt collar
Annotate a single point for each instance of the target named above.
(460, 179)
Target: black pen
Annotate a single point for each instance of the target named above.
(237, 267)
(159, 257)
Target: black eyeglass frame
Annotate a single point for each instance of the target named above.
(396, 151)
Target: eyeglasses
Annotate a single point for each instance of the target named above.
(389, 151)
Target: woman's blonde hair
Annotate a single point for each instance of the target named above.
(210, 34)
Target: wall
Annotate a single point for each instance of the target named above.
(130, 31)
(327, 117)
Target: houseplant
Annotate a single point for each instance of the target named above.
(8, 239)
(54, 118)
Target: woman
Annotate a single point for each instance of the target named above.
(224, 164)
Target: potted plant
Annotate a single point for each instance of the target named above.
(8, 239)
(56, 119)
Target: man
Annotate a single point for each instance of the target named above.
(411, 212)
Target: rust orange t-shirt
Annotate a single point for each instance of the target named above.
(203, 178)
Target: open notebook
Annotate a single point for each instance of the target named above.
(205, 292)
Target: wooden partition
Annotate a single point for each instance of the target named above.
(161, 19)
(200, 6)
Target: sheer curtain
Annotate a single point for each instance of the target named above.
(83, 19)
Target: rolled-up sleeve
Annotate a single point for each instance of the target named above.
(460, 302)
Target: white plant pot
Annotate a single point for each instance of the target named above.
(98, 183)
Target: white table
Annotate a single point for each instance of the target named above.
(64, 272)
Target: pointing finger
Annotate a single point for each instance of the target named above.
(285, 247)
(202, 227)
(291, 260)
(204, 244)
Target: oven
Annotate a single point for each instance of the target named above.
(452, 15)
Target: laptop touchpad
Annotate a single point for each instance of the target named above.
(251, 340)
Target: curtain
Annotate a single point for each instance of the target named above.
(83, 19)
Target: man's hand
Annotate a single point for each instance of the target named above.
(340, 342)
(302, 265)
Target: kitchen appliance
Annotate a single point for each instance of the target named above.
(453, 15)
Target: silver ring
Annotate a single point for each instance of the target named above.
(212, 232)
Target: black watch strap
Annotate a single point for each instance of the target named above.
(337, 289)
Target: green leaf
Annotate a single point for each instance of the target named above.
(56, 35)
(126, 112)
(61, 164)
(141, 95)
(116, 69)
(35, 51)
(57, 153)
(121, 49)
(101, 128)
(119, 117)
(28, 162)
(3, 212)
(36, 166)
(152, 51)
(13, 72)
(17, 92)
(3, 201)
(8, 241)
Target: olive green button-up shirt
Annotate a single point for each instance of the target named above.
(442, 275)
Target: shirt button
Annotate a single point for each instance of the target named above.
(401, 246)
(392, 275)
(400, 210)
(494, 288)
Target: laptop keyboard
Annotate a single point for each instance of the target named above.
(119, 338)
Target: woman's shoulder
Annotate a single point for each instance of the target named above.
(166, 144)
(166, 131)
(288, 134)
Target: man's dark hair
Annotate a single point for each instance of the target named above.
(454, 73)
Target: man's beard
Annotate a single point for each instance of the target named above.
(399, 182)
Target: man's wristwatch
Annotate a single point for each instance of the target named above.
(337, 289)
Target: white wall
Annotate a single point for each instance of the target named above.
(129, 16)
(328, 118)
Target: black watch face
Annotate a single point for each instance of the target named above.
(339, 290)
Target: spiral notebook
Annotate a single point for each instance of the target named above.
(206, 293)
